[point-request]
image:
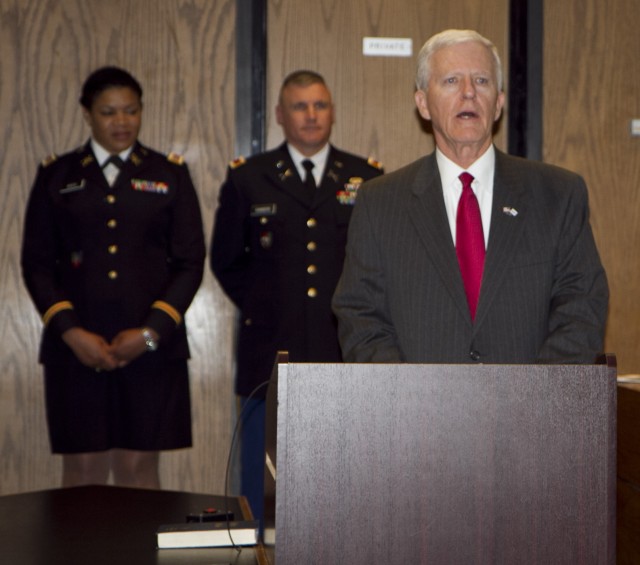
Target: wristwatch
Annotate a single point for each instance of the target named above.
(151, 343)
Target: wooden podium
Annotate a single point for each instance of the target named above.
(441, 464)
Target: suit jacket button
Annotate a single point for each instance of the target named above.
(474, 355)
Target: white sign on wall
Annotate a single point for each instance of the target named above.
(387, 47)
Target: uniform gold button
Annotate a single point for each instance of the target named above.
(312, 292)
(312, 269)
(113, 275)
(112, 223)
(113, 249)
(312, 223)
(248, 322)
(311, 246)
(264, 220)
(111, 199)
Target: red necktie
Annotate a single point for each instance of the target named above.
(470, 242)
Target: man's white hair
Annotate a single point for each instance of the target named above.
(448, 38)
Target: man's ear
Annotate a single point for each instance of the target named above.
(421, 103)
(499, 105)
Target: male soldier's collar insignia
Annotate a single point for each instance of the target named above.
(135, 159)
(339, 164)
(285, 175)
(332, 175)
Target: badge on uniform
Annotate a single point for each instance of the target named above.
(149, 186)
(263, 210)
(76, 259)
(266, 239)
(347, 196)
(73, 187)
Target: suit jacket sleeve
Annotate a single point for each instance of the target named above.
(365, 330)
(580, 294)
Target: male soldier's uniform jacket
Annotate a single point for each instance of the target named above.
(278, 250)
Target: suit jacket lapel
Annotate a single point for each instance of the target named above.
(428, 214)
(508, 217)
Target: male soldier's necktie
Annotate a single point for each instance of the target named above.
(309, 181)
(470, 242)
(112, 168)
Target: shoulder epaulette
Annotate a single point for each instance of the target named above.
(237, 162)
(375, 164)
(175, 158)
(49, 159)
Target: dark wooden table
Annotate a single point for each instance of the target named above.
(628, 531)
(104, 525)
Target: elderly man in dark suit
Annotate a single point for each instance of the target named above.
(278, 249)
(510, 275)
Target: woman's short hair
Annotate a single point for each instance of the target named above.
(104, 78)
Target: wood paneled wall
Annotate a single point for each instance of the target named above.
(183, 53)
(375, 110)
(591, 93)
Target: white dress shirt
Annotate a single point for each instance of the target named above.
(319, 162)
(482, 171)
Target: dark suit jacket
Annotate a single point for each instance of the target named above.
(277, 251)
(544, 292)
(127, 256)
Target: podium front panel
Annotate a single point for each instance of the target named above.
(445, 464)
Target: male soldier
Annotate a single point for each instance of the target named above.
(278, 248)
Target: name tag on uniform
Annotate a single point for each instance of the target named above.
(263, 210)
(73, 187)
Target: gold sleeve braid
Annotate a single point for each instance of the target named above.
(168, 309)
(53, 310)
